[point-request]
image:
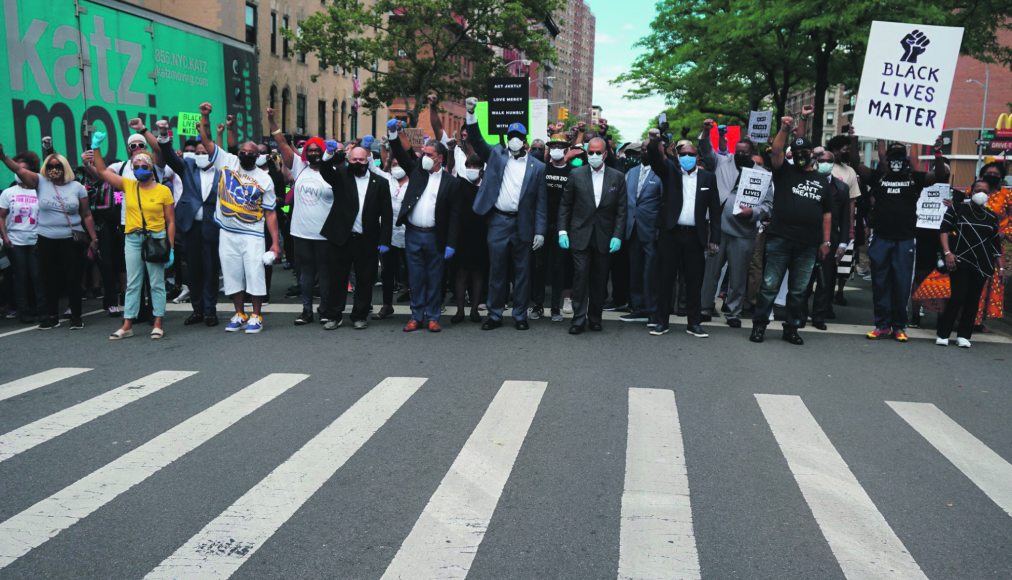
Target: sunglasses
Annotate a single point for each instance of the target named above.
(137, 146)
(148, 167)
(60, 167)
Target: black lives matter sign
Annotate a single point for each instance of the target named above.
(508, 102)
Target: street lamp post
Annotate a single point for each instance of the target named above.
(983, 114)
(522, 61)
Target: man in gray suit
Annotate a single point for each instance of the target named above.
(592, 222)
(643, 189)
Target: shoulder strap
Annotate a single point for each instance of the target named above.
(63, 208)
(140, 207)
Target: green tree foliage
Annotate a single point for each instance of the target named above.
(429, 45)
(727, 56)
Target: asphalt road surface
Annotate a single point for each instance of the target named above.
(302, 453)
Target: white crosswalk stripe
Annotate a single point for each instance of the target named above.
(38, 432)
(985, 468)
(47, 518)
(37, 381)
(232, 538)
(446, 537)
(656, 536)
(858, 534)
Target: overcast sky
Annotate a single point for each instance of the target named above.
(620, 23)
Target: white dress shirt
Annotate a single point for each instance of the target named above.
(424, 213)
(512, 181)
(597, 179)
(688, 215)
(206, 183)
(362, 183)
(644, 176)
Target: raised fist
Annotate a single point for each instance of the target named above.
(708, 124)
(221, 127)
(205, 108)
(47, 142)
(163, 127)
(914, 44)
(807, 110)
(433, 99)
(229, 120)
(787, 122)
(470, 104)
(136, 124)
(654, 133)
(270, 114)
(88, 157)
(582, 125)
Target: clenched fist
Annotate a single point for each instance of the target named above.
(205, 108)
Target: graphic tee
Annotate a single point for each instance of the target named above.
(894, 198)
(22, 207)
(800, 198)
(313, 198)
(243, 196)
(59, 208)
(556, 179)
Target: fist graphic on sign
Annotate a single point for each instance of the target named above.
(914, 44)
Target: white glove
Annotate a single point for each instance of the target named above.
(470, 104)
(268, 258)
(538, 242)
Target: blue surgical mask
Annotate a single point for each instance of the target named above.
(143, 174)
(688, 162)
(825, 167)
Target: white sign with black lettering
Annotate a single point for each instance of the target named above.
(752, 184)
(906, 80)
(931, 205)
(759, 123)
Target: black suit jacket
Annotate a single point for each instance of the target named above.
(447, 204)
(707, 197)
(589, 224)
(377, 212)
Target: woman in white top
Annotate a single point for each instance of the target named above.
(19, 231)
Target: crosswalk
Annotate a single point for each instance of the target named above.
(656, 527)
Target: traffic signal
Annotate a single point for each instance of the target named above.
(563, 114)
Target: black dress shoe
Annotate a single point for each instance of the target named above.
(734, 322)
(211, 320)
(193, 318)
(490, 324)
(791, 335)
(457, 318)
(819, 324)
(522, 325)
(596, 326)
(385, 312)
(475, 317)
(576, 329)
(758, 333)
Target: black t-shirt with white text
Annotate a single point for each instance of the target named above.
(894, 204)
(555, 183)
(800, 198)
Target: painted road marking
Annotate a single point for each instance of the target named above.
(656, 539)
(37, 381)
(859, 536)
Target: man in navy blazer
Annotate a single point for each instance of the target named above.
(643, 190)
(688, 228)
(195, 220)
(513, 196)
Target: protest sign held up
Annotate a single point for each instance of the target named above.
(759, 123)
(931, 207)
(507, 103)
(187, 124)
(906, 80)
(752, 184)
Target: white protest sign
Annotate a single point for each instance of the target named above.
(759, 123)
(906, 80)
(930, 206)
(752, 184)
(539, 120)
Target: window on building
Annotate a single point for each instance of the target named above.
(274, 32)
(251, 23)
(300, 114)
(344, 115)
(831, 98)
(286, 104)
(302, 55)
(272, 97)
(321, 118)
(335, 116)
(285, 51)
(830, 117)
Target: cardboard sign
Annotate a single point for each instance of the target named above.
(508, 102)
(187, 124)
(906, 80)
(415, 136)
(930, 206)
(759, 124)
(752, 185)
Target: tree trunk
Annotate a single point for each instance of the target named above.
(823, 53)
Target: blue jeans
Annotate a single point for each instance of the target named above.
(798, 260)
(892, 276)
(425, 274)
(135, 267)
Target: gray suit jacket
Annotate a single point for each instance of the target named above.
(587, 223)
(642, 211)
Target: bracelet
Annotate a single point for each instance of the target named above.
(276, 132)
(948, 253)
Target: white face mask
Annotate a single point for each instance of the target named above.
(202, 161)
(188, 154)
(979, 198)
(398, 173)
(515, 144)
(596, 160)
(261, 160)
(472, 174)
(556, 154)
(427, 163)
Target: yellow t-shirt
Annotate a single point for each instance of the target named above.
(153, 199)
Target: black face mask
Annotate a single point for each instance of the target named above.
(993, 181)
(247, 161)
(314, 158)
(802, 158)
(742, 160)
(358, 169)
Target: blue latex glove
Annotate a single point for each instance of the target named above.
(97, 138)
(615, 245)
(564, 241)
(449, 253)
(367, 141)
(384, 248)
(172, 258)
(393, 125)
(331, 145)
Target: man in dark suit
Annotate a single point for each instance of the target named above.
(592, 218)
(644, 195)
(359, 227)
(512, 194)
(688, 227)
(430, 213)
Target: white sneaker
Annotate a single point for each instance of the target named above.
(567, 305)
(184, 295)
(962, 342)
(942, 341)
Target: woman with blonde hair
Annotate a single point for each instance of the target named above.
(150, 233)
(66, 232)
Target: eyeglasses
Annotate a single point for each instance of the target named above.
(137, 146)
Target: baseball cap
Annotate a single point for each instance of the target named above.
(517, 128)
(800, 143)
